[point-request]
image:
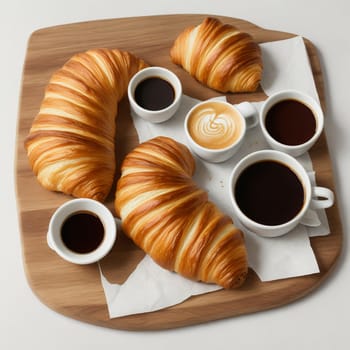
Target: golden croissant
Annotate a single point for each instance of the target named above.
(219, 56)
(71, 145)
(164, 212)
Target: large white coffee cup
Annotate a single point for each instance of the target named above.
(66, 211)
(215, 129)
(285, 95)
(315, 197)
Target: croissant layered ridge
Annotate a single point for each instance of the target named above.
(70, 145)
(220, 56)
(168, 216)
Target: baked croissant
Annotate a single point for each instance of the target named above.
(219, 56)
(170, 218)
(71, 145)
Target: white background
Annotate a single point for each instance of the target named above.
(318, 321)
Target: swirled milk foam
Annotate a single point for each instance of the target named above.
(215, 125)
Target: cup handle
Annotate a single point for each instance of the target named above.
(249, 112)
(322, 198)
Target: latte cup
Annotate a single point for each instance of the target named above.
(215, 129)
(82, 231)
(154, 94)
(252, 194)
(291, 121)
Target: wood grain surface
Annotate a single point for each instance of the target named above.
(76, 291)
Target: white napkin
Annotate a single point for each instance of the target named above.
(150, 287)
(287, 66)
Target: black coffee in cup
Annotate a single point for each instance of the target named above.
(269, 192)
(290, 122)
(82, 232)
(154, 93)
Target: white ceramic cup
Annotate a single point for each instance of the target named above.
(215, 129)
(66, 210)
(293, 150)
(155, 116)
(315, 197)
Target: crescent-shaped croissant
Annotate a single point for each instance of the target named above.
(170, 218)
(219, 56)
(71, 145)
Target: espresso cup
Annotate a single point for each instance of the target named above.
(154, 94)
(82, 231)
(291, 121)
(215, 129)
(271, 193)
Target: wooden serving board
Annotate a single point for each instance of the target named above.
(76, 291)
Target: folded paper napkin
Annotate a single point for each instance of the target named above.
(286, 66)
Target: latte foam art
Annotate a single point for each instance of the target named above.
(215, 125)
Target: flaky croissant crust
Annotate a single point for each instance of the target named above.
(170, 218)
(219, 56)
(71, 145)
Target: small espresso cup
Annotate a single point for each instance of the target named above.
(154, 94)
(271, 192)
(215, 129)
(291, 121)
(82, 231)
